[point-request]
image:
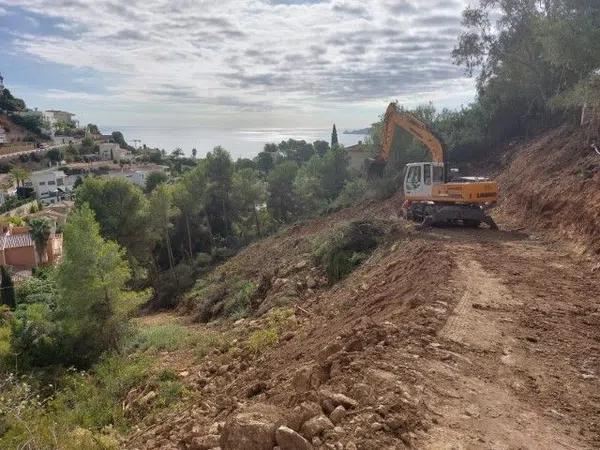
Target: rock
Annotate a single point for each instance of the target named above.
(329, 350)
(338, 414)
(252, 429)
(316, 441)
(351, 446)
(376, 426)
(288, 439)
(147, 398)
(302, 413)
(216, 428)
(301, 265)
(311, 283)
(205, 442)
(338, 399)
(316, 426)
(308, 377)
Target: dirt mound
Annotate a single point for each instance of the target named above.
(553, 183)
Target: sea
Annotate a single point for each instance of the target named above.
(243, 143)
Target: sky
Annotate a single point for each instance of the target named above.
(232, 63)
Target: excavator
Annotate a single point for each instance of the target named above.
(431, 196)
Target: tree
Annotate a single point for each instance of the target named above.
(334, 137)
(19, 175)
(271, 148)
(92, 129)
(54, 155)
(92, 300)
(121, 210)
(8, 290)
(162, 211)
(154, 179)
(40, 230)
(117, 137)
(219, 171)
(194, 152)
(281, 199)
(244, 163)
(264, 162)
(321, 147)
(249, 193)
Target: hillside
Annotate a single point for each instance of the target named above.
(552, 184)
(443, 338)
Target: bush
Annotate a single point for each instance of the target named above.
(167, 337)
(342, 250)
(214, 297)
(278, 320)
(353, 192)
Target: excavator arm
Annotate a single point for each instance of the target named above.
(415, 127)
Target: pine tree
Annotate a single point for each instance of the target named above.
(334, 137)
(8, 290)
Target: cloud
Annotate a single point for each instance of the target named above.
(248, 54)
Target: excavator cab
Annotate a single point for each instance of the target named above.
(419, 179)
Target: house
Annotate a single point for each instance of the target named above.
(110, 151)
(49, 185)
(358, 153)
(3, 137)
(139, 174)
(18, 249)
(1, 83)
(53, 117)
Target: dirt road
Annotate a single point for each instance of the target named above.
(446, 339)
(526, 327)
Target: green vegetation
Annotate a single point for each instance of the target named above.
(278, 320)
(346, 247)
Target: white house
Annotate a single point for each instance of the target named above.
(49, 185)
(53, 117)
(110, 151)
(1, 83)
(3, 137)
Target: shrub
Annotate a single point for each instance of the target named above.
(213, 297)
(353, 192)
(342, 250)
(262, 339)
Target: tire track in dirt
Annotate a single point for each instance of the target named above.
(512, 389)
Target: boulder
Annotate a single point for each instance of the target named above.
(338, 399)
(302, 413)
(316, 426)
(288, 439)
(308, 377)
(252, 428)
(338, 414)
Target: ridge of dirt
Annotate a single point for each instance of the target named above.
(552, 183)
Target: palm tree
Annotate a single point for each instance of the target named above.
(40, 229)
(19, 175)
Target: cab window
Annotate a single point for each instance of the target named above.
(438, 174)
(427, 174)
(414, 177)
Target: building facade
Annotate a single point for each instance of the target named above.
(3, 137)
(49, 185)
(18, 249)
(110, 151)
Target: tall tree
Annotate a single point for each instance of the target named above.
(40, 230)
(92, 299)
(249, 193)
(281, 199)
(334, 137)
(121, 210)
(8, 289)
(194, 152)
(19, 175)
(321, 147)
(219, 172)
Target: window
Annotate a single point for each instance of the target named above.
(427, 174)
(51, 183)
(438, 174)
(42, 183)
(60, 181)
(414, 177)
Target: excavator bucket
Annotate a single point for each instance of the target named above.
(374, 168)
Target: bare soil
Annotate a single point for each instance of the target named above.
(448, 338)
